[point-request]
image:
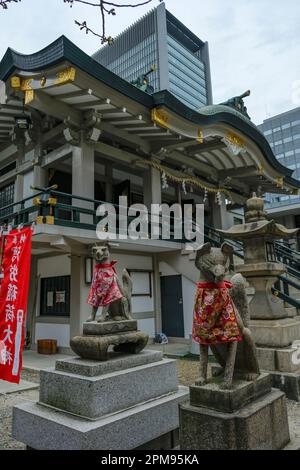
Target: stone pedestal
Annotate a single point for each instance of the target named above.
(98, 337)
(274, 329)
(250, 416)
(127, 402)
(262, 277)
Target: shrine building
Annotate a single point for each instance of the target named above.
(72, 135)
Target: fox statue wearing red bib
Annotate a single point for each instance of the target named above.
(106, 290)
(221, 316)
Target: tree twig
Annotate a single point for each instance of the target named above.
(105, 8)
(3, 3)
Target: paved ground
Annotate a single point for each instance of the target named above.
(40, 361)
(187, 371)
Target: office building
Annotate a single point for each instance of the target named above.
(181, 58)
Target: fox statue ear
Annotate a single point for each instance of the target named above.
(227, 249)
(204, 249)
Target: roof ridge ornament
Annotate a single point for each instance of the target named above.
(237, 102)
(142, 81)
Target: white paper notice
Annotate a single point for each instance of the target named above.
(50, 299)
(60, 297)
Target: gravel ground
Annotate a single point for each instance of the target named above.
(187, 371)
(6, 404)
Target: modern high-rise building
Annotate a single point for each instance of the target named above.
(181, 58)
(283, 134)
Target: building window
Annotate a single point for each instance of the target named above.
(7, 196)
(55, 296)
(141, 282)
(6, 169)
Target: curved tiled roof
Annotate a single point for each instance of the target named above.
(64, 50)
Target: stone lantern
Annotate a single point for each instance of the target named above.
(275, 327)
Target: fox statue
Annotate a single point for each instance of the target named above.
(221, 318)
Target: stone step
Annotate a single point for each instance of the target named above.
(279, 359)
(95, 396)
(291, 312)
(115, 362)
(43, 428)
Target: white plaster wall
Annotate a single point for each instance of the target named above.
(166, 270)
(147, 325)
(53, 331)
(54, 266)
(188, 294)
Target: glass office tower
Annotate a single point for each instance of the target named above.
(283, 134)
(182, 59)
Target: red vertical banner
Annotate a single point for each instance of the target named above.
(13, 302)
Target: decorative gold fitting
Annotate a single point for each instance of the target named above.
(43, 81)
(52, 201)
(15, 82)
(26, 84)
(235, 140)
(37, 201)
(29, 96)
(200, 137)
(49, 219)
(261, 170)
(279, 182)
(160, 117)
(65, 76)
(39, 220)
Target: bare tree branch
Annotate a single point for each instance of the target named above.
(105, 8)
(3, 3)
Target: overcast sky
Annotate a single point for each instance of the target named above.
(253, 43)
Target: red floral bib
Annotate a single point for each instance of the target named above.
(104, 289)
(214, 315)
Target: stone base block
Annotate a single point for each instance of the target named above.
(44, 429)
(93, 397)
(275, 333)
(278, 360)
(260, 425)
(212, 397)
(96, 347)
(288, 383)
(116, 361)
